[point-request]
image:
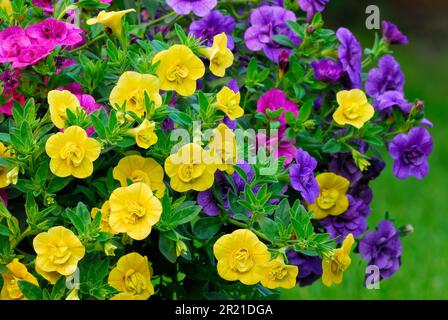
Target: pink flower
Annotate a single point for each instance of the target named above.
(4, 197)
(7, 107)
(278, 146)
(275, 99)
(46, 5)
(55, 33)
(12, 41)
(31, 55)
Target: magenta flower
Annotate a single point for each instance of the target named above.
(31, 55)
(54, 33)
(12, 41)
(46, 5)
(275, 99)
(199, 7)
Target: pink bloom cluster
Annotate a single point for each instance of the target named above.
(24, 47)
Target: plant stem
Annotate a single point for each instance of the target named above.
(258, 233)
(160, 19)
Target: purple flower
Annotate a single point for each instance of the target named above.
(344, 165)
(199, 7)
(266, 22)
(382, 248)
(410, 152)
(352, 221)
(327, 70)
(350, 55)
(386, 77)
(275, 99)
(392, 34)
(302, 176)
(46, 5)
(212, 24)
(310, 268)
(10, 81)
(53, 32)
(390, 99)
(311, 7)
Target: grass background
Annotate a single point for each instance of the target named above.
(423, 204)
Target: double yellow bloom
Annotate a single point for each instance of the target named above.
(16, 272)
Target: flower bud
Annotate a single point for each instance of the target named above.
(181, 248)
(109, 249)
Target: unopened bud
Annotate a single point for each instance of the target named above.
(109, 249)
(419, 105)
(407, 229)
(310, 29)
(181, 248)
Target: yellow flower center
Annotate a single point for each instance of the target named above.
(135, 212)
(135, 282)
(217, 59)
(351, 111)
(277, 273)
(177, 73)
(140, 176)
(60, 254)
(327, 198)
(134, 102)
(337, 266)
(241, 261)
(72, 154)
(13, 288)
(188, 172)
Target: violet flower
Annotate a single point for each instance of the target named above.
(310, 268)
(302, 178)
(199, 7)
(211, 25)
(392, 34)
(327, 70)
(386, 77)
(350, 55)
(311, 7)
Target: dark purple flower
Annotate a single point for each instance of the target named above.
(343, 164)
(311, 7)
(266, 22)
(350, 55)
(199, 7)
(352, 221)
(390, 99)
(410, 152)
(10, 81)
(327, 70)
(392, 34)
(386, 77)
(382, 248)
(310, 268)
(373, 171)
(211, 25)
(362, 191)
(302, 178)
(167, 125)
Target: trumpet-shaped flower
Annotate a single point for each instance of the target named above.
(72, 153)
(220, 56)
(354, 108)
(8, 175)
(333, 267)
(144, 134)
(179, 69)
(223, 147)
(135, 168)
(131, 88)
(6, 5)
(134, 210)
(229, 102)
(276, 274)
(16, 272)
(58, 253)
(191, 168)
(105, 214)
(332, 199)
(59, 101)
(238, 253)
(132, 277)
(111, 19)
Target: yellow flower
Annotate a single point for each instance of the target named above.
(238, 253)
(354, 109)
(223, 147)
(8, 175)
(219, 55)
(333, 267)
(131, 88)
(16, 271)
(58, 253)
(179, 69)
(229, 102)
(72, 153)
(138, 169)
(332, 199)
(6, 5)
(111, 19)
(191, 168)
(105, 214)
(144, 134)
(276, 274)
(134, 210)
(59, 101)
(132, 277)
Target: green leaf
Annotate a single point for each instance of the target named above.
(57, 184)
(207, 227)
(168, 248)
(30, 291)
(332, 146)
(4, 230)
(305, 111)
(180, 33)
(283, 40)
(58, 291)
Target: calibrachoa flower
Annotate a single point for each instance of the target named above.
(410, 152)
(275, 99)
(392, 34)
(382, 248)
(219, 55)
(354, 108)
(334, 266)
(54, 33)
(111, 19)
(276, 274)
(135, 168)
(58, 253)
(327, 70)
(390, 99)
(198, 7)
(311, 7)
(131, 88)
(72, 153)
(8, 174)
(238, 254)
(310, 268)
(46, 5)
(343, 165)
(332, 199)
(350, 55)
(211, 25)
(179, 69)
(134, 210)
(229, 102)
(59, 102)
(105, 214)
(266, 22)
(302, 178)
(223, 147)
(144, 134)
(386, 77)
(16, 272)
(132, 277)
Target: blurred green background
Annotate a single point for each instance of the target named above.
(423, 204)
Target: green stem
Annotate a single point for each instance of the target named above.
(160, 19)
(245, 226)
(87, 44)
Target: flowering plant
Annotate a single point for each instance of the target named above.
(194, 149)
